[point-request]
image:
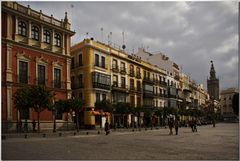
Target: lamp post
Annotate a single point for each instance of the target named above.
(54, 113)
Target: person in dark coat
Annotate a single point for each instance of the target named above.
(194, 125)
(106, 127)
(176, 125)
(170, 124)
(34, 125)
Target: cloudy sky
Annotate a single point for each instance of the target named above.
(190, 33)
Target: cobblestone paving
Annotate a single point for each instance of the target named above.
(221, 143)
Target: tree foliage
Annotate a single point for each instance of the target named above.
(22, 99)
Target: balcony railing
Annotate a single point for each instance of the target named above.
(131, 73)
(115, 69)
(148, 80)
(123, 70)
(41, 82)
(138, 75)
(57, 84)
(100, 85)
(23, 79)
(163, 83)
(119, 86)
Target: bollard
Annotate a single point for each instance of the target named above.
(60, 134)
(25, 136)
(44, 135)
(151, 128)
(87, 133)
(145, 129)
(74, 133)
(132, 130)
(98, 132)
(3, 137)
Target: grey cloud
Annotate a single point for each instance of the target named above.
(190, 33)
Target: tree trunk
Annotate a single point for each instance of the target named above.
(38, 117)
(77, 121)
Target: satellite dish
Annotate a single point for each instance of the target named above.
(124, 46)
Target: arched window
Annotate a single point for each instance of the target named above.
(35, 32)
(46, 36)
(22, 28)
(57, 38)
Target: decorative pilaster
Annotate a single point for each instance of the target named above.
(9, 63)
(68, 82)
(29, 31)
(63, 43)
(52, 39)
(9, 103)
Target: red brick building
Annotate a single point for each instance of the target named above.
(35, 51)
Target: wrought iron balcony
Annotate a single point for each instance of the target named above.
(23, 79)
(123, 70)
(138, 75)
(119, 86)
(115, 69)
(100, 85)
(131, 73)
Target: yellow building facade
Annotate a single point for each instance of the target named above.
(99, 71)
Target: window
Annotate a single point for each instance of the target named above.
(104, 96)
(131, 84)
(22, 28)
(115, 80)
(72, 82)
(80, 59)
(35, 32)
(132, 101)
(123, 82)
(41, 75)
(23, 72)
(114, 64)
(97, 97)
(122, 66)
(57, 78)
(138, 71)
(57, 39)
(46, 36)
(80, 80)
(96, 60)
(72, 63)
(138, 85)
(138, 101)
(103, 62)
(145, 74)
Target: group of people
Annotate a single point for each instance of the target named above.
(176, 123)
(25, 126)
(173, 124)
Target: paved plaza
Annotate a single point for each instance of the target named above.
(221, 143)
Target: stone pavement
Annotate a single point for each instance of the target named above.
(221, 143)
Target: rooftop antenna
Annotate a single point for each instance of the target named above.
(123, 46)
(86, 35)
(102, 34)
(110, 38)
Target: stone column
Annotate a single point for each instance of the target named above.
(52, 40)
(9, 103)
(9, 63)
(29, 31)
(63, 43)
(68, 81)
(41, 36)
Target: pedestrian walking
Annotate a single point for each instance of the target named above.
(34, 125)
(191, 124)
(107, 127)
(176, 125)
(194, 125)
(170, 124)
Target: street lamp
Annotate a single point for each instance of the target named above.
(54, 113)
